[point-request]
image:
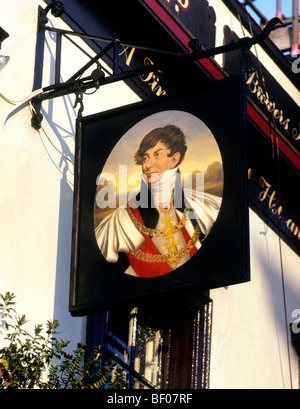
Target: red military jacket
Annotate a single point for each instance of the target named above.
(145, 268)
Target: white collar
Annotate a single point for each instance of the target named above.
(162, 190)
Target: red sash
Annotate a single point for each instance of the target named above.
(148, 269)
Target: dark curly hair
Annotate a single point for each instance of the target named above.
(170, 135)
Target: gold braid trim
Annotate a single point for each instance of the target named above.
(172, 258)
(159, 232)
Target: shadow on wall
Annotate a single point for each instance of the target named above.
(62, 138)
(201, 21)
(73, 328)
(270, 257)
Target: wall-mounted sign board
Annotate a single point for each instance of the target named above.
(160, 198)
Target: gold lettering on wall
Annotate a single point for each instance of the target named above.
(152, 78)
(269, 195)
(264, 98)
(183, 5)
(293, 228)
(128, 52)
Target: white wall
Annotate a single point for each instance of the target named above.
(36, 181)
(249, 333)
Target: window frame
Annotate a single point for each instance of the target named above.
(188, 319)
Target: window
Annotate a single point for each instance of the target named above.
(166, 345)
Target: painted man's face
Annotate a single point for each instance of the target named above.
(156, 160)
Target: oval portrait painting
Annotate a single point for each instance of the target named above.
(158, 194)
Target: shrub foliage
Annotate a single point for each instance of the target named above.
(27, 360)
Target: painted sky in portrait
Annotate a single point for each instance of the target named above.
(202, 148)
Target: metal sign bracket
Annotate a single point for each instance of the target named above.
(77, 84)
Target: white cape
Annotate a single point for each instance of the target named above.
(117, 233)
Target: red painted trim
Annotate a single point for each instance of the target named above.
(167, 19)
(182, 36)
(217, 74)
(264, 126)
(212, 69)
(258, 119)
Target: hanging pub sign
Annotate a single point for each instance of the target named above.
(160, 198)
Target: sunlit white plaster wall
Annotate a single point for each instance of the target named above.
(36, 181)
(250, 338)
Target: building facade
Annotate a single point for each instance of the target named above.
(241, 335)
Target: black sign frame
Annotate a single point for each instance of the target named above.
(223, 259)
